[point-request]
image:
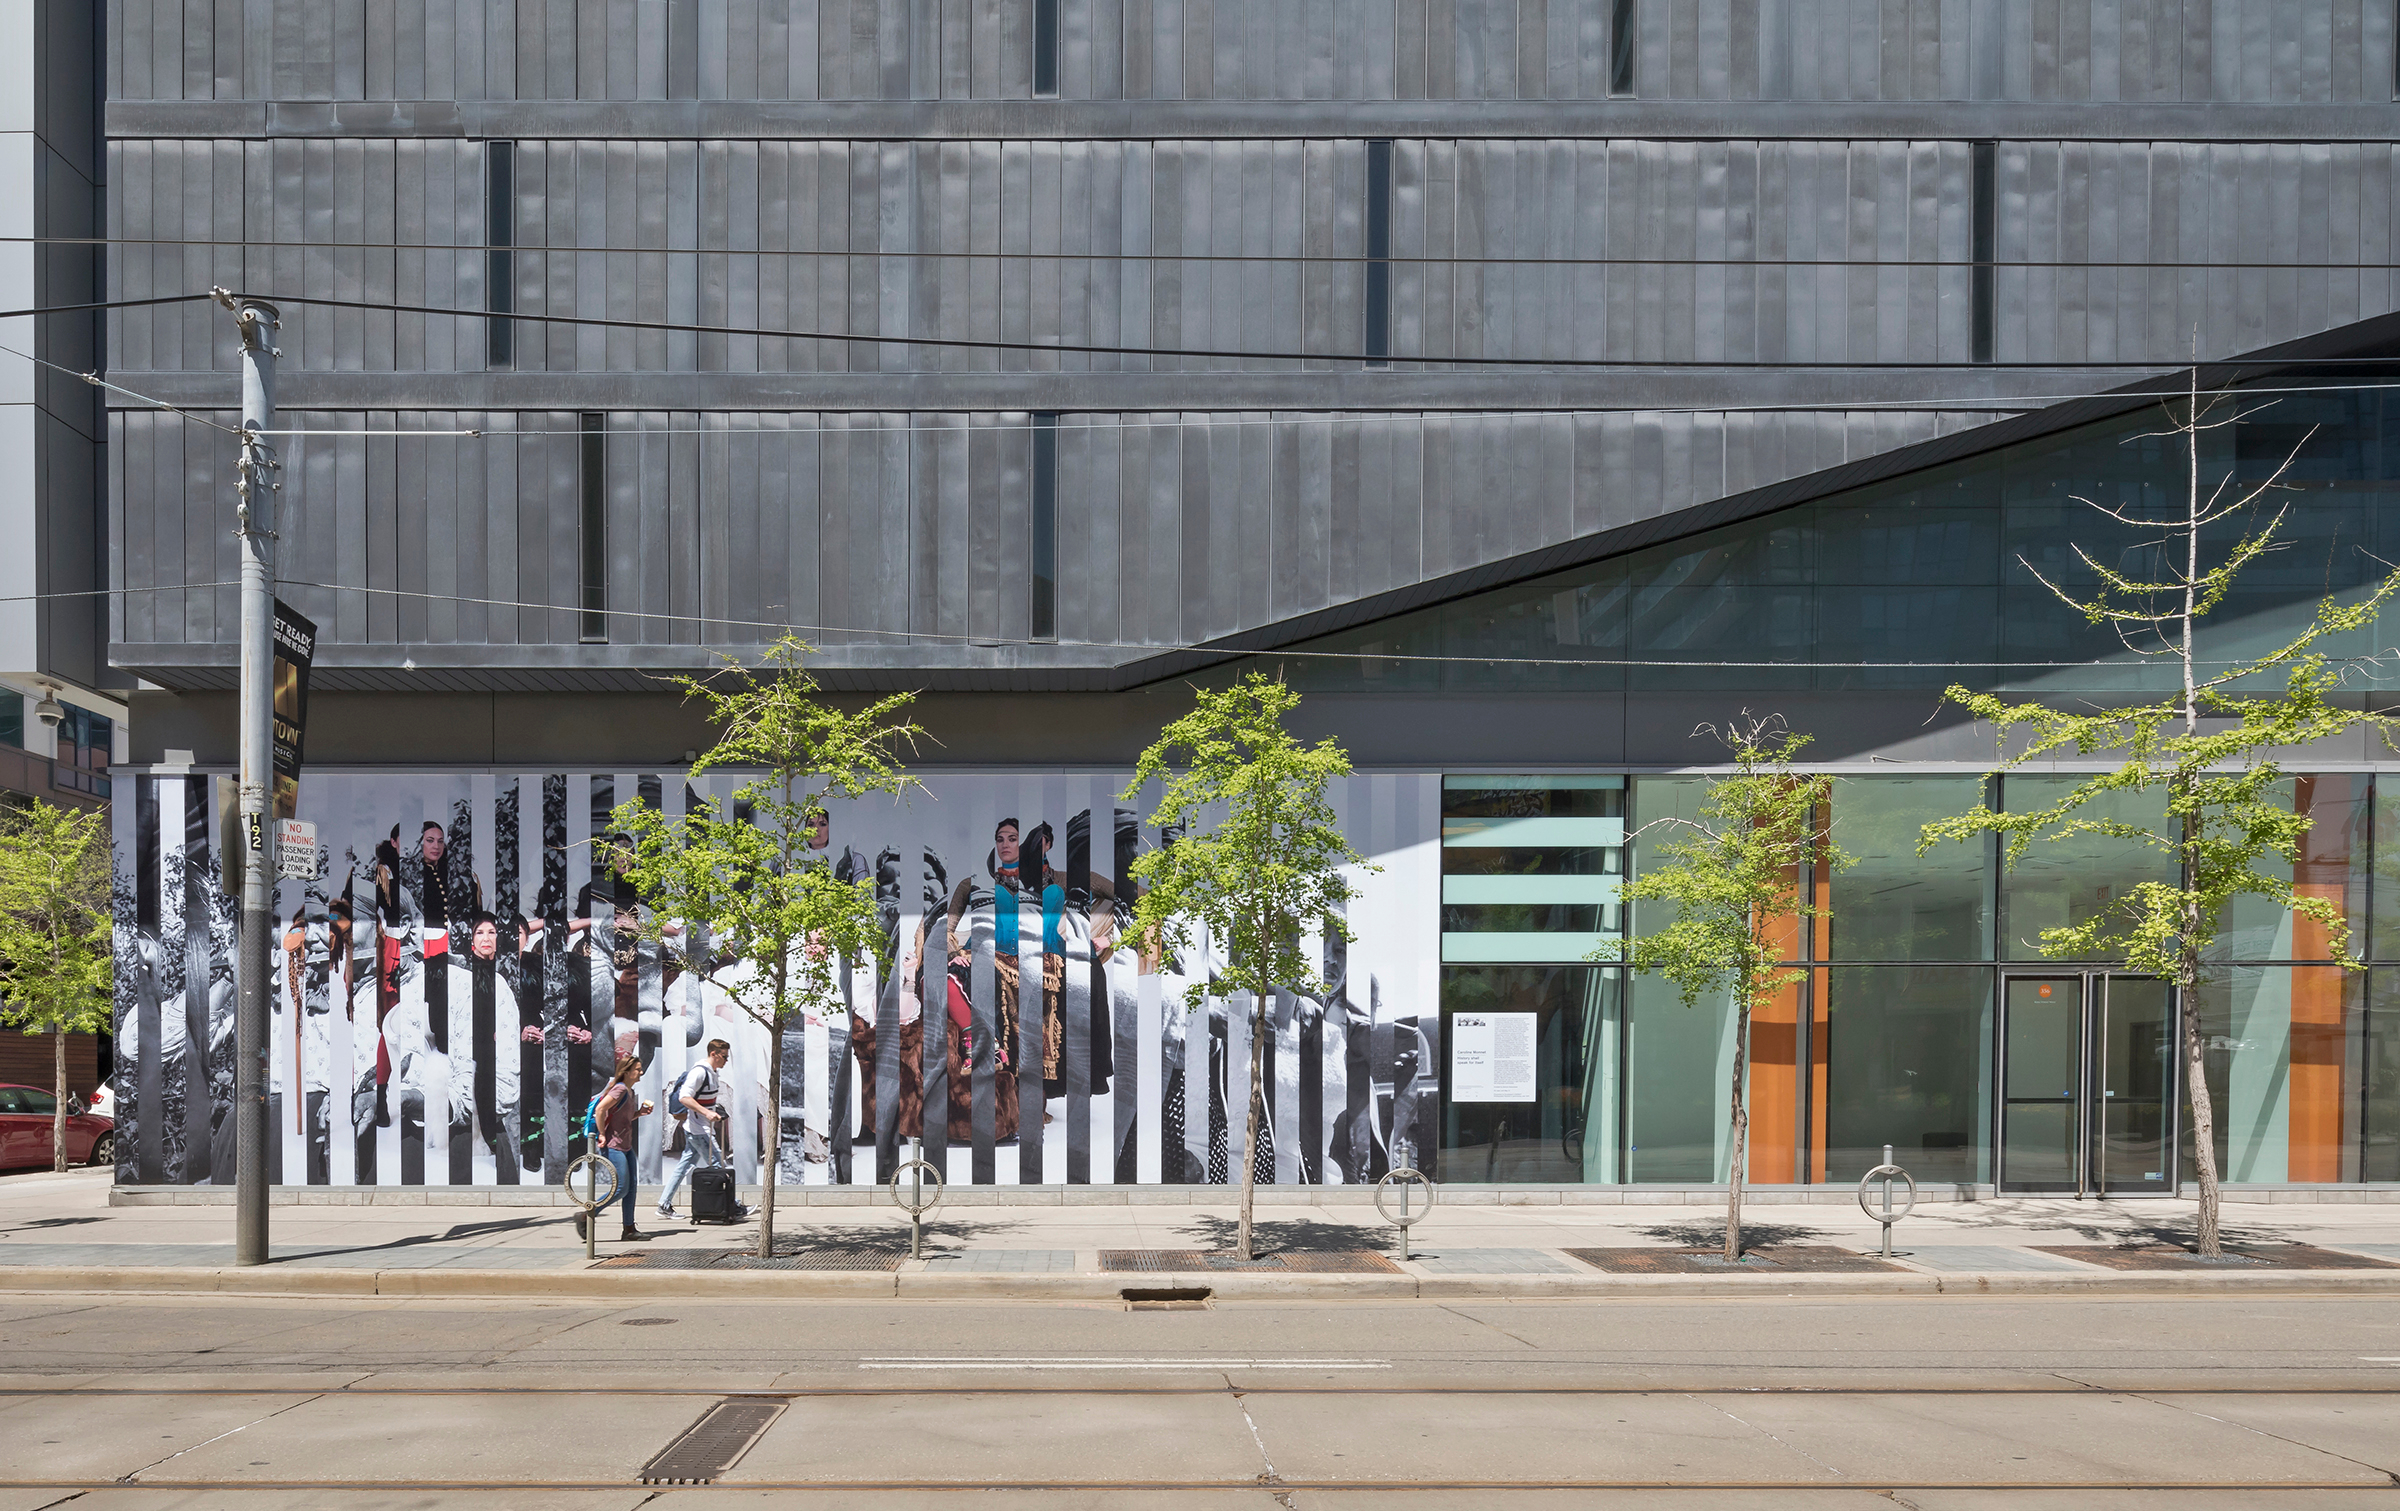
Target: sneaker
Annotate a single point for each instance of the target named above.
(665, 1211)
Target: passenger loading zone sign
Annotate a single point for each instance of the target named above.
(295, 849)
(1492, 1057)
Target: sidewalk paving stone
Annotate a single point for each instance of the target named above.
(1004, 1261)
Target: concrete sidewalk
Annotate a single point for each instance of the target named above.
(61, 1232)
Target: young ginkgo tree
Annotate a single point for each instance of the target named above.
(743, 870)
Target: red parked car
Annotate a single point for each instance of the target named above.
(25, 1121)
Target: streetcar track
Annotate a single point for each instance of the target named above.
(1345, 1389)
(1288, 1485)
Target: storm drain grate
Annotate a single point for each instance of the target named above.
(1294, 1262)
(2283, 1256)
(713, 1444)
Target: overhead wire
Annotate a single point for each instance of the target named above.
(1080, 420)
(1468, 363)
(1152, 648)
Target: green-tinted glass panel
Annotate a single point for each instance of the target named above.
(2333, 866)
(1954, 564)
(1531, 866)
(1567, 1132)
(1908, 1065)
(2374, 1129)
(12, 718)
(2292, 1063)
(1679, 1064)
(2385, 943)
(2062, 883)
(1894, 904)
(1655, 798)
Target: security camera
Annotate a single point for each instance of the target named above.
(50, 711)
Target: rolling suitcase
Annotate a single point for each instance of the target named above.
(712, 1193)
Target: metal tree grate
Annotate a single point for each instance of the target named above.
(1294, 1262)
(822, 1259)
(670, 1259)
(1777, 1259)
(2159, 1256)
(713, 1444)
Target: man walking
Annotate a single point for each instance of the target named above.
(696, 1096)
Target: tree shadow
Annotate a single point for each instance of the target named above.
(1711, 1235)
(881, 1238)
(35, 1224)
(418, 1240)
(2100, 1224)
(1288, 1233)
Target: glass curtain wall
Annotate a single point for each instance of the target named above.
(1532, 868)
(1892, 1038)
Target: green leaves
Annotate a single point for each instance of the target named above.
(784, 920)
(1260, 854)
(56, 969)
(2212, 754)
(1734, 871)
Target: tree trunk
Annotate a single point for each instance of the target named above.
(1741, 1129)
(774, 1142)
(1258, 1065)
(58, 1110)
(2204, 1116)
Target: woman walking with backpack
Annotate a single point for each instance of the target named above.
(613, 1119)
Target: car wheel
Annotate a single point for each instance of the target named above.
(104, 1149)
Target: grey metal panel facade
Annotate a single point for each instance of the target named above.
(1788, 193)
(1811, 252)
(2260, 51)
(898, 532)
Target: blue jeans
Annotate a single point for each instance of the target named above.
(624, 1166)
(699, 1148)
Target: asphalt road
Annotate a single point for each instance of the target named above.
(1945, 1403)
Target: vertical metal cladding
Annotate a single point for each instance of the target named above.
(621, 50)
(1773, 251)
(403, 531)
(463, 968)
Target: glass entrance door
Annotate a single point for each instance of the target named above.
(2133, 1113)
(2085, 1104)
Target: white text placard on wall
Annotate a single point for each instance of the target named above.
(1492, 1056)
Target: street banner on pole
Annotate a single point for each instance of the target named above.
(295, 650)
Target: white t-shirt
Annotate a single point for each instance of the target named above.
(701, 1085)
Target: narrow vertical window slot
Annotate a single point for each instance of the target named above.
(592, 478)
(1985, 160)
(1378, 333)
(500, 262)
(1623, 27)
(1045, 49)
(1045, 527)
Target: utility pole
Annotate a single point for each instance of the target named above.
(257, 322)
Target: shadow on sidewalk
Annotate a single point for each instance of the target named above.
(889, 1237)
(1711, 1235)
(1285, 1234)
(450, 1234)
(2102, 1224)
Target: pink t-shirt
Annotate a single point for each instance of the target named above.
(618, 1107)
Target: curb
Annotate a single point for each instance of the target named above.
(574, 1284)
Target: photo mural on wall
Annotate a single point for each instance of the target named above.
(453, 984)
